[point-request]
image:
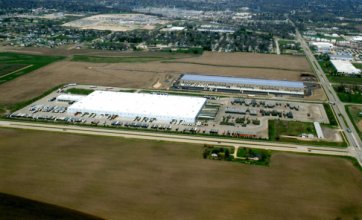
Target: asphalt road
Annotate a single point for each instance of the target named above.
(354, 140)
(160, 136)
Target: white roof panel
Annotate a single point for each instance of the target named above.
(343, 66)
(163, 107)
(245, 81)
(70, 97)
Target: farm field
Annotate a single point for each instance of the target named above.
(70, 51)
(15, 207)
(8, 68)
(115, 178)
(115, 59)
(147, 74)
(284, 62)
(13, 65)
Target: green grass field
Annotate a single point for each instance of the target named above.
(278, 129)
(77, 91)
(11, 67)
(332, 119)
(354, 114)
(104, 59)
(284, 42)
(327, 67)
(345, 79)
(286, 49)
(350, 98)
(358, 65)
(290, 128)
(24, 63)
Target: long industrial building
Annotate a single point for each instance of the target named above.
(345, 67)
(242, 85)
(131, 105)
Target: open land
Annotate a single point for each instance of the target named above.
(356, 118)
(117, 22)
(13, 65)
(146, 74)
(290, 131)
(117, 178)
(297, 63)
(8, 68)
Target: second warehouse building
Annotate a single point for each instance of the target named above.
(242, 85)
(131, 105)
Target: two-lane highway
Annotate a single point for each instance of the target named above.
(160, 136)
(338, 107)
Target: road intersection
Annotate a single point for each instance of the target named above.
(338, 107)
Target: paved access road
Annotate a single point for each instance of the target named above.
(160, 136)
(345, 122)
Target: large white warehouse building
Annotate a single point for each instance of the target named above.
(323, 47)
(131, 105)
(345, 67)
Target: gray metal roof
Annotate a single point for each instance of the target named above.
(246, 81)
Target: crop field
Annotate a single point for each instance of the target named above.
(271, 61)
(116, 178)
(345, 80)
(15, 207)
(138, 73)
(9, 68)
(115, 59)
(13, 65)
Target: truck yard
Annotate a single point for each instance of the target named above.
(226, 116)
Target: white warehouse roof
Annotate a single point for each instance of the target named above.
(357, 38)
(346, 67)
(319, 130)
(323, 44)
(70, 98)
(131, 105)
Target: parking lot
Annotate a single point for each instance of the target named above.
(220, 116)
